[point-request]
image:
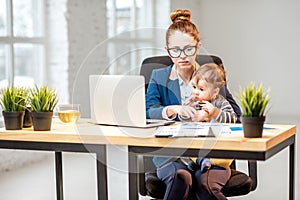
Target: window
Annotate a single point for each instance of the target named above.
(136, 30)
(22, 42)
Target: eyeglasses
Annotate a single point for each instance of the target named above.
(176, 52)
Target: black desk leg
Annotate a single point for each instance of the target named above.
(132, 168)
(292, 172)
(101, 172)
(59, 181)
(252, 166)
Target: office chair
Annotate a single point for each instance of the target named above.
(148, 182)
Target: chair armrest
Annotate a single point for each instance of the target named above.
(148, 183)
(154, 186)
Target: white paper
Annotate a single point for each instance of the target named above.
(184, 130)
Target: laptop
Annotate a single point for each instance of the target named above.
(119, 100)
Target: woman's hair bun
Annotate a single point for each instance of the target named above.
(180, 15)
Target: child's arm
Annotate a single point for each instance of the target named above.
(225, 112)
(213, 112)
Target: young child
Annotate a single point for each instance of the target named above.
(207, 81)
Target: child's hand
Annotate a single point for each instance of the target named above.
(207, 106)
(201, 116)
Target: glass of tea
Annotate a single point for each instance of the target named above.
(68, 113)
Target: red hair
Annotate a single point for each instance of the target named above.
(181, 22)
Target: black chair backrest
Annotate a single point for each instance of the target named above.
(151, 63)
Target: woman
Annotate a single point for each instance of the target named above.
(171, 86)
(168, 89)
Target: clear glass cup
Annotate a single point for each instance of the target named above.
(68, 113)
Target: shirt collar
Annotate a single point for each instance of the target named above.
(180, 81)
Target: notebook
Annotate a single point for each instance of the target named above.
(119, 100)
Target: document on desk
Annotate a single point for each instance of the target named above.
(185, 130)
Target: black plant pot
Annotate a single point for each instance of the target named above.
(253, 126)
(41, 121)
(27, 118)
(13, 120)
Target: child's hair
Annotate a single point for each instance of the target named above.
(181, 22)
(211, 73)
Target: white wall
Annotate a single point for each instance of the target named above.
(86, 31)
(258, 41)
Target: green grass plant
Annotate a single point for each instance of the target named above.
(253, 100)
(43, 99)
(14, 99)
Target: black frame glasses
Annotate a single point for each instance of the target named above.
(188, 51)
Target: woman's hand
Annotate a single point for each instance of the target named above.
(191, 101)
(182, 110)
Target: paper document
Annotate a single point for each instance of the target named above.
(185, 130)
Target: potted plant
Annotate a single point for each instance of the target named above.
(13, 101)
(253, 101)
(42, 102)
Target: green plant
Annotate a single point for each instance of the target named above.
(14, 99)
(253, 100)
(43, 99)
